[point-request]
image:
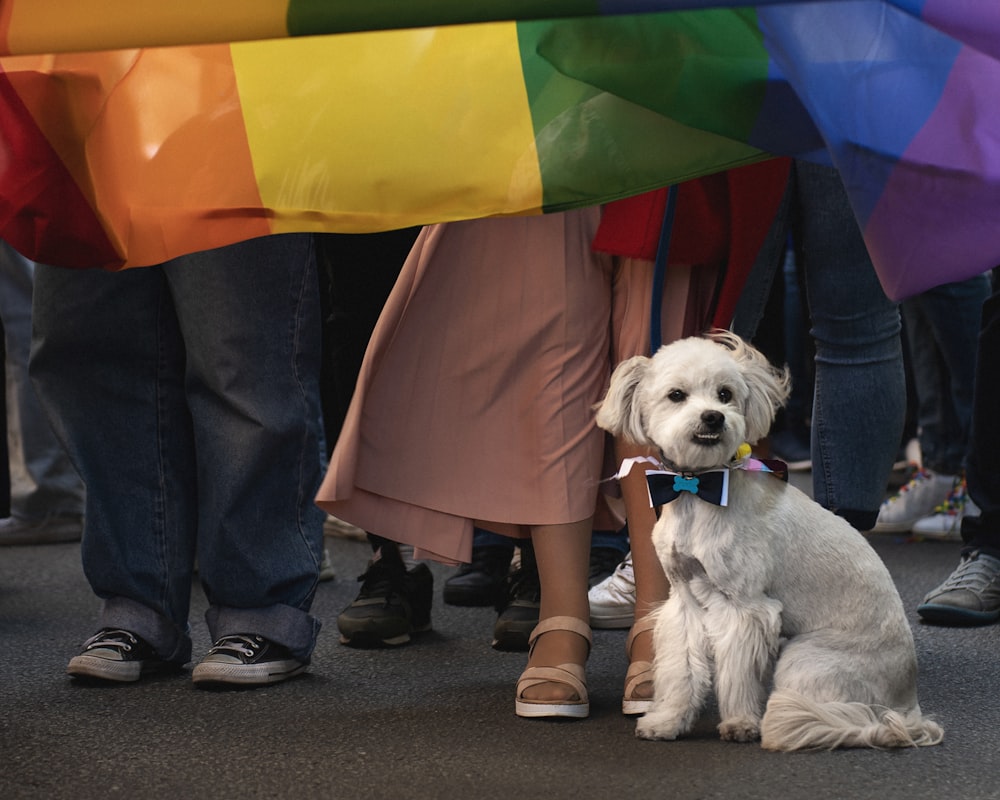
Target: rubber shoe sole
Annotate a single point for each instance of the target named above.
(214, 672)
(941, 614)
(93, 667)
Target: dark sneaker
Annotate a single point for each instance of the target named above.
(479, 582)
(113, 654)
(246, 659)
(393, 604)
(48, 530)
(970, 595)
(519, 606)
(603, 562)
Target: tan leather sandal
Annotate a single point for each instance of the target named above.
(638, 673)
(571, 675)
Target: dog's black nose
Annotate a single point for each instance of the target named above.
(713, 420)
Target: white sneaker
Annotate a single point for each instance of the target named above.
(916, 500)
(612, 601)
(946, 521)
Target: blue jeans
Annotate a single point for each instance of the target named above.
(43, 481)
(942, 328)
(187, 395)
(859, 397)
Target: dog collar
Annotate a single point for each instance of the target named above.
(668, 482)
(666, 486)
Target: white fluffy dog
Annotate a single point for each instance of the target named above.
(770, 592)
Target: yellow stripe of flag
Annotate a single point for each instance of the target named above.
(442, 120)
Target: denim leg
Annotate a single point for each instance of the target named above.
(860, 392)
(107, 362)
(950, 315)
(43, 481)
(249, 317)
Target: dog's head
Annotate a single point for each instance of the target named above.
(696, 400)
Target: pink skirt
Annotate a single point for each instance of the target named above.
(476, 397)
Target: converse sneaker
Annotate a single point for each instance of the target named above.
(612, 602)
(393, 604)
(247, 660)
(970, 595)
(118, 655)
(946, 521)
(917, 499)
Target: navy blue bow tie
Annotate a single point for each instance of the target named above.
(665, 487)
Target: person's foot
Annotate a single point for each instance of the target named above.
(117, 655)
(479, 582)
(393, 604)
(638, 694)
(969, 596)
(246, 659)
(946, 521)
(55, 529)
(554, 683)
(603, 562)
(519, 606)
(612, 602)
(792, 446)
(326, 571)
(917, 499)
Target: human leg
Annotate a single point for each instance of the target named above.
(108, 365)
(249, 317)
(971, 594)
(858, 354)
(560, 646)
(47, 494)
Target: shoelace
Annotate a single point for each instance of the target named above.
(116, 639)
(919, 476)
(237, 643)
(973, 574)
(955, 502)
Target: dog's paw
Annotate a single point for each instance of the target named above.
(657, 727)
(739, 729)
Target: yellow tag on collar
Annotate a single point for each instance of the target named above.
(743, 451)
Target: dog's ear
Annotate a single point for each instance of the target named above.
(618, 413)
(769, 386)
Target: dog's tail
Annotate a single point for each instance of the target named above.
(794, 722)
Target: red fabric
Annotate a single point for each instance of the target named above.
(42, 191)
(720, 219)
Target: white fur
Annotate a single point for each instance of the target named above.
(770, 595)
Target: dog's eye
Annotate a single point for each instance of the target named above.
(677, 396)
(725, 395)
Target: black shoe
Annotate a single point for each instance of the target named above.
(118, 655)
(247, 660)
(519, 606)
(393, 604)
(479, 582)
(792, 445)
(603, 562)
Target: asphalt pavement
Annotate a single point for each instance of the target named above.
(435, 718)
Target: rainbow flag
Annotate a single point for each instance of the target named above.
(224, 123)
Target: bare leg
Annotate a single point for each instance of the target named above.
(651, 584)
(563, 556)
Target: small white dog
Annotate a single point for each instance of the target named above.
(770, 591)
